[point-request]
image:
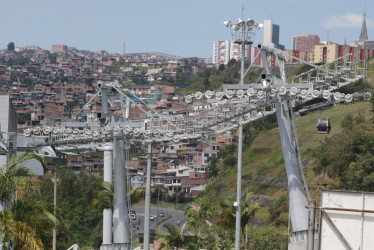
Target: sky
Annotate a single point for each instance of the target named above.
(185, 28)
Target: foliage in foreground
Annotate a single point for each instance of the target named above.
(75, 193)
(25, 221)
(215, 228)
(349, 156)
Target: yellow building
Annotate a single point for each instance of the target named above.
(326, 53)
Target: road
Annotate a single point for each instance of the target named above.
(176, 216)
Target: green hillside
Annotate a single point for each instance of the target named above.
(263, 167)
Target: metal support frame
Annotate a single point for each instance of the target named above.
(311, 225)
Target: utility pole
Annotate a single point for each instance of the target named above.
(158, 201)
(241, 33)
(240, 153)
(54, 208)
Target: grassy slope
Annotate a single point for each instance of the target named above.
(267, 145)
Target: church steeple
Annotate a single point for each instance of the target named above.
(364, 33)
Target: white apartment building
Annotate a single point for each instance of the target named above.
(268, 32)
(224, 51)
(235, 51)
(221, 52)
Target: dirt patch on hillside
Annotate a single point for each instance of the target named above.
(274, 181)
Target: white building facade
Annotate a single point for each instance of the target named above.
(224, 51)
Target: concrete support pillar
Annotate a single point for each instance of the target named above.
(121, 227)
(107, 213)
(296, 195)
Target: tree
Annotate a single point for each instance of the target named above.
(24, 221)
(198, 216)
(228, 213)
(267, 238)
(359, 175)
(232, 63)
(81, 224)
(212, 169)
(347, 123)
(172, 239)
(25, 117)
(12, 176)
(122, 62)
(114, 68)
(230, 160)
(277, 207)
(34, 218)
(11, 46)
(105, 198)
(349, 156)
(70, 105)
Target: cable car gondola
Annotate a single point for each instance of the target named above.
(323, 125)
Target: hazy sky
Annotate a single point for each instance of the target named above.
(180, 27)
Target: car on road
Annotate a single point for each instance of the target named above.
(152, 217)
(162, 214)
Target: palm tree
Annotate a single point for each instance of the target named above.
(198, 216)
(23, 221)
(247, 211)
(105, 198)
(171, 239)
(11, 177)
(228, 213)
(36, 213)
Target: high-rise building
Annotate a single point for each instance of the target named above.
(235, 51)
(305, 42)
(254, 55)
(271, 34)
(224, 51)
(221, 52)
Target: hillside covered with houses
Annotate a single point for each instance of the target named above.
(49, 87)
